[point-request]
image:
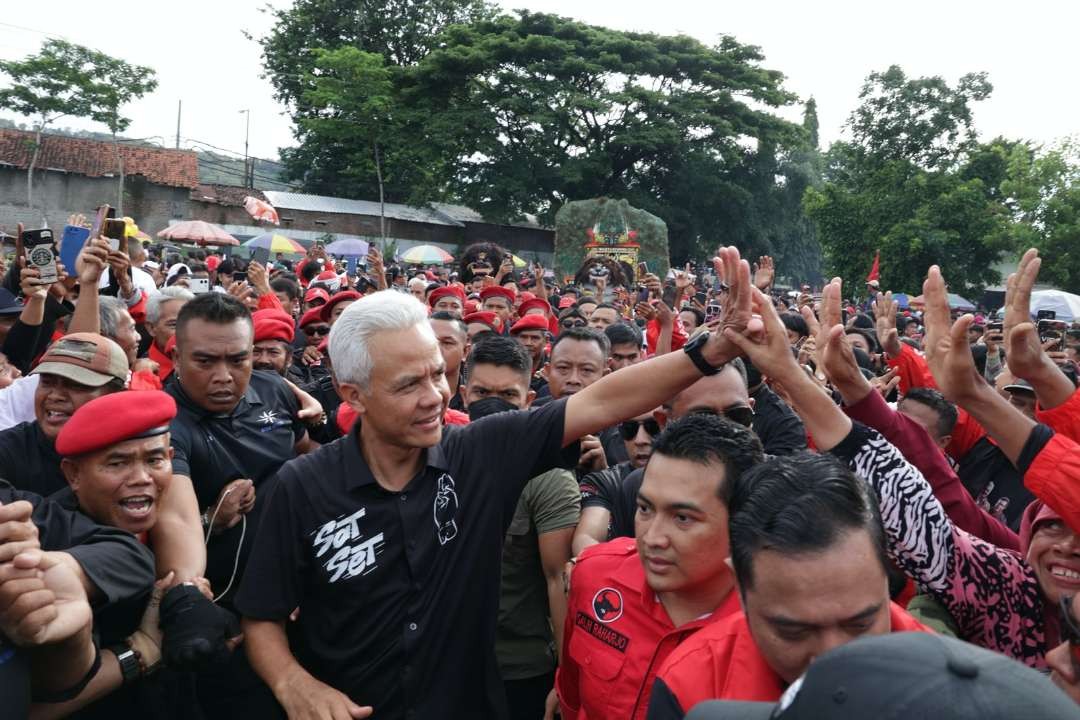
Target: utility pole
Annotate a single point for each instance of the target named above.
(249, 175)
(179, 107)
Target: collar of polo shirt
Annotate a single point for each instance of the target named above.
(357, 472)
(251, 397)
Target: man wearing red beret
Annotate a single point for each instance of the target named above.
(332, 310)
(274, 334)
(532, 332)
(447, 299)
(499, 300)
(315, 297)
(478, 323)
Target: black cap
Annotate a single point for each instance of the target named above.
(9, 304)
(907, 676)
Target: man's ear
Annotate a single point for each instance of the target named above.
(660, 416)
(352, 396)
(529, 397)
(944, 441)
(751, 402)
(71, 473)
(544, 370)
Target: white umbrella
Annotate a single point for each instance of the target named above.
(1066, 306)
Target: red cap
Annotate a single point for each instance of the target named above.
(273, 324)
(567, 301)
(534, 304)
(316, 292)
(448, 291)
(114, 418)
(498, 291)
(471, 306)
(484, 318)
(313, 315)
(339, 297)
(212, 263)
(530, 322)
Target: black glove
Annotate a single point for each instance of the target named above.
(195, 630)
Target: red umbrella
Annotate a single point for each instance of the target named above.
(198, 232)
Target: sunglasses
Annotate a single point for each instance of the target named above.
(572, 324)
(318, 330)
(738, 414)
(629, 428)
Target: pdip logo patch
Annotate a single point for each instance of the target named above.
(607, 605)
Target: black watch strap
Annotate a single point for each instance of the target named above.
(130, 668)
(693, 350)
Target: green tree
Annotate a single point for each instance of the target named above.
(914, 184)
(67, 79)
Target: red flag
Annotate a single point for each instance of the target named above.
(875, 271)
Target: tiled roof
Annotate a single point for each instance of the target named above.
(324, 204)
(96, 158)
(224, 194)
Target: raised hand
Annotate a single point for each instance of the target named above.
(645, 310)
(91, 262)
(738, 314)
(885, 309)
(946, 346)
(769, 348)
(764, 273)
(684, 278)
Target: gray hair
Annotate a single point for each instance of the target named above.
(173, 292)
(353, 336)
(109, 309)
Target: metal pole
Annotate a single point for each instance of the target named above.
(179, 107)
(248, 179)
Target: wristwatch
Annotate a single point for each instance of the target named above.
(130, 667)
(693, 348)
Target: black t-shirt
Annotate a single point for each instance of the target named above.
(29, 461)
(614, 489)
(118, 565)
(995, 482)
(777, 426)
(398, 591)
(252, 442)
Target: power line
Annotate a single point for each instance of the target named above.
(234, 152)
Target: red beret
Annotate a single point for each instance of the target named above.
(530, 322)
(448, 291)
(212, 263)
(114, 418)
(313, 315)
(484, 318)
(534, 304)
(526, 295)
(339, 297)
(498, 291)
(567, 301)
(471, 306)
(316, 292)
(273, 324)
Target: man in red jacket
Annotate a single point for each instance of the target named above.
(632, 602)
(808, 549)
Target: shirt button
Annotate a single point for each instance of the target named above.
(404, 497)
(412, 626)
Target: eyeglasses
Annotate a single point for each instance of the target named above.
(572, 324)
(318, 330)
(629, 428)
(738, 414)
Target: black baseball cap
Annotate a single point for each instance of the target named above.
(9, 304)
(907, 676)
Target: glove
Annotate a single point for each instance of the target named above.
(195, 630)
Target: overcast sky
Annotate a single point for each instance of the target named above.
(825, 49)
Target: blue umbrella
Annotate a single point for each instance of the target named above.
(902, 300)
(349, 247)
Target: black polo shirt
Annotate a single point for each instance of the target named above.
(29, 461)
(614, 489)
(253, 441)
(398, 591)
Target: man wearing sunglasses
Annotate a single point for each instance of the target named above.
(608, 507)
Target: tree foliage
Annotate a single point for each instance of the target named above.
(521, 114)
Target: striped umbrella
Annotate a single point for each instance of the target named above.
(275, 243)
(198, 232)
(426, 255)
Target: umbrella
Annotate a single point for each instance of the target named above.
(349, 247)
(260, 210)
(518, 262)
(902, 300)
(1066, 306)
(955, 302)
(275, 243)
(198, 232)
(426, 255)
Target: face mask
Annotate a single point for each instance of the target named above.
(489, 406)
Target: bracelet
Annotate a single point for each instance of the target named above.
(59, 696)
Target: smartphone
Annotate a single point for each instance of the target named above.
(643, 294)
(712, 311)
(1053, 330)
(642, 270)
(261, 255)
(1046, 315)
(668, 295)
(995, 327)
(239, 276)
(41, 254)
(114, 231)
(71, 244)
(99, 220)
(199, 285)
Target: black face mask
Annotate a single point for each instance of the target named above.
(489, 406)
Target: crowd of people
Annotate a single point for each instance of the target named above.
(236, 489)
